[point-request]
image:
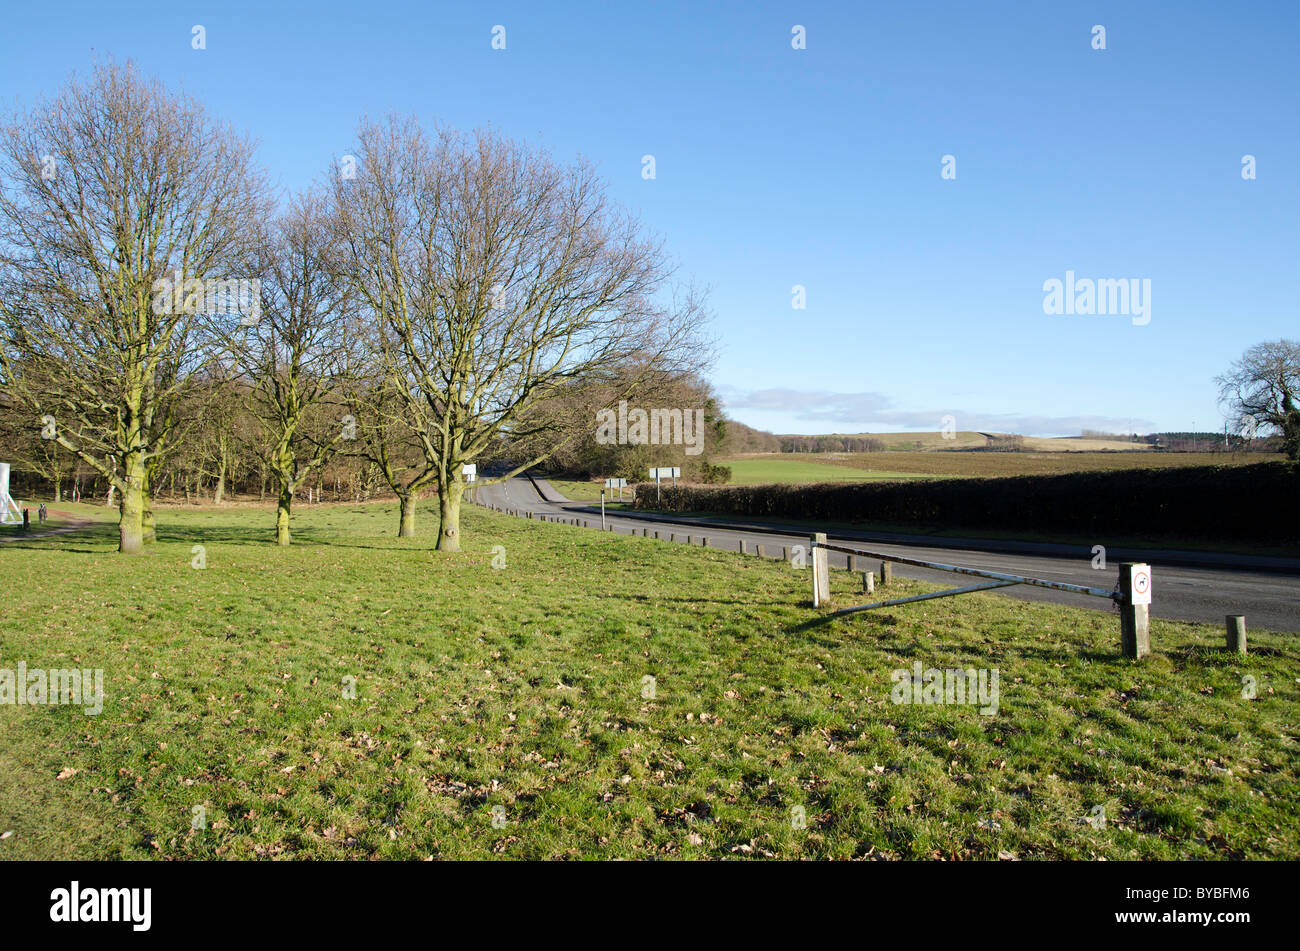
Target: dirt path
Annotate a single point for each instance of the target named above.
(74, 525)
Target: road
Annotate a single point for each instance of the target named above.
(1270, 599)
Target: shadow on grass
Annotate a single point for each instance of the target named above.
(881, 624)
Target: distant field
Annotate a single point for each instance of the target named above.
(795, 467)
(580, 490)
(782, 467)
(935, 441)
(910, 464)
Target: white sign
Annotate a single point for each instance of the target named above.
(1140, 583)
(615, 483)
(469, 471)
(666, 472)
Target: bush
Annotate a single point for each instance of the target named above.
(715, 475)
(1248, 503)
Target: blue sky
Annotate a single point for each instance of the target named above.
(820, 167)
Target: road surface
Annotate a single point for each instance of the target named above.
(1269, 598)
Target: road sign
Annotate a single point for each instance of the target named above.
(469, 471)
(666, 472)
(1140, 584)
(615, 483)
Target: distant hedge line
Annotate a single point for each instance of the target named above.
(1248, 503)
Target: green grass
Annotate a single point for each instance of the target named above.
(522, 688)
(995, 464)
(580, 490)
(787, 468)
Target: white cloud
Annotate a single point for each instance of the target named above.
(867, 412)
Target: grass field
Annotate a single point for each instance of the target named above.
(966, 439)
(785, 468)
(790, 467)
(580, 490)
(506, 711)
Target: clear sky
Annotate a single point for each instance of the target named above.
(821, 167)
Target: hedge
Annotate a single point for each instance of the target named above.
(1258, 502)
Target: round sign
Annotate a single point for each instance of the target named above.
(1141, 582)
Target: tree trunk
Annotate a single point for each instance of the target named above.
(282, 515)
(220, 492)
(449, 516)
(130, 523)
(146, 514)
(58, 491)
(406, 528)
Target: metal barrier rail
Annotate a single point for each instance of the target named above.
(1005, 579)
(1132, 591)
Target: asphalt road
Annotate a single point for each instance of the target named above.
(1270, 599)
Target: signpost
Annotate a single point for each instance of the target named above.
(619, 484)
(1134, 617)
(664, 472)
(470, 473)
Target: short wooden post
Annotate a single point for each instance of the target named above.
(785, 554)
(1236, 625)
(1135, 597)
(704, 541)
(688, 540)
(821, 571)
(868, 582)
(743, 547)
(853, 563)
(886, 573)
(760, 550)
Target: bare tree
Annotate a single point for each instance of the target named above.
(110, 192)
(1260, 390)
(297, 353)
(499, 276)
(387, 438)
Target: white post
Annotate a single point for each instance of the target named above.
(1135, 594)
(820, 572)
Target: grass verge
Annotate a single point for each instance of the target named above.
(506, 711)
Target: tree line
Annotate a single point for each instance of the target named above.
(436, 298)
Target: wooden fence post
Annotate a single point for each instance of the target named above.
(1135, 596)
(744, 547)
(868, 582)
(1236, 625)
(821, 571)
(760, 550)
(886, 573)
